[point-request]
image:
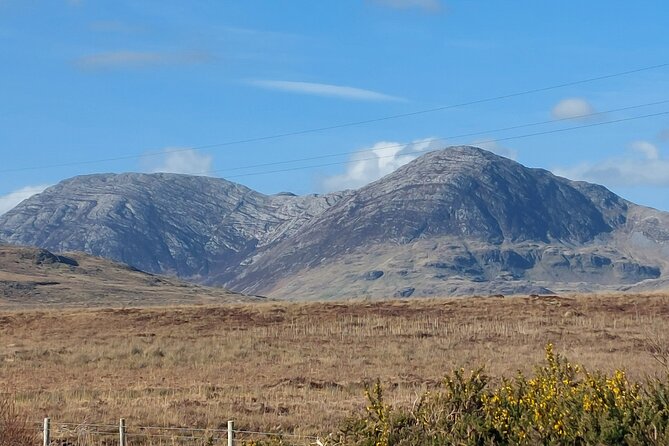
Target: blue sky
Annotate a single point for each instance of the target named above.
(92, 86)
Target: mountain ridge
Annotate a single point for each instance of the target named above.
(129, 215)
(472, 221)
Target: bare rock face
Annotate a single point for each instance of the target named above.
(473, 194)
(192, 227)
(456, 221)
(485, 223)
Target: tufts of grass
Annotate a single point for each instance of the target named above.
(14, 427)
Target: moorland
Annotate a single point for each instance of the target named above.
(302, 368)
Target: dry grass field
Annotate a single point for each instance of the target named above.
(301, 367)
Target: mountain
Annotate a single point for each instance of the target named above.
(456, 221)
(188, 226)
(32, 277)
(466, 221)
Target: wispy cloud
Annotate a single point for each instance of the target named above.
(138, 59)
(573, 108)
(371, 163)
(179, 160)
(425, 5)
(337, 91)
(9, 201)
(649, 150)
(643, 165)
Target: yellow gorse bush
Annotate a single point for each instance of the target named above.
(553, 404)
(559, 404)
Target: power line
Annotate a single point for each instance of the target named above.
(445, 138)
(527, 135)
(346, 124)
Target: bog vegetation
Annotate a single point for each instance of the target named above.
(303, 369)
(558, 404)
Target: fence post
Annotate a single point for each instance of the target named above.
(47, 431)
(231, 433)
(121, 432)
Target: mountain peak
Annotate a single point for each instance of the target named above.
(469, 192)
(463, 154)
(446, 164)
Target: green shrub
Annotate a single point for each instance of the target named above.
(559, 404)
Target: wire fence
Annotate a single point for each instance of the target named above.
(122, 434)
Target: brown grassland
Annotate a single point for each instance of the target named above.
(301, 368)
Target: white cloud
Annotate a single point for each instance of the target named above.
(311, 88)
(426, 5)
(647, 149)
(651, 170)
(186, 161)
(572, 108)
(9, 201)
(137, 59)
(372, 163)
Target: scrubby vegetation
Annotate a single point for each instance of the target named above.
(559, 404)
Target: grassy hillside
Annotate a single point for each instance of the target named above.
(32, 277)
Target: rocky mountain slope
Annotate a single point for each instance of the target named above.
(32, 277)
(466, 221)
(188, 226)
(456, 221)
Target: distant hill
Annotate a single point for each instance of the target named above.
(32, 277)
(452, 222)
